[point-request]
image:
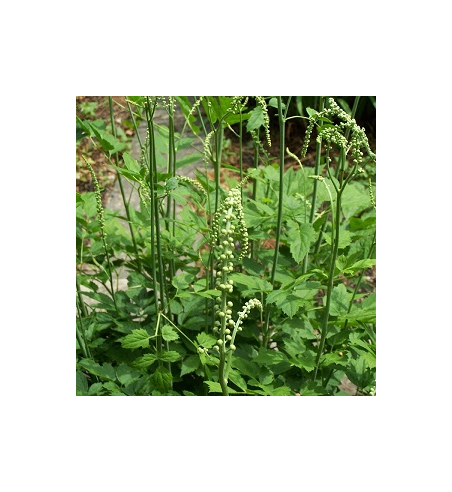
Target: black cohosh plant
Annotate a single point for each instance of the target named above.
(199, 253)
(348, 138)
(228, 227)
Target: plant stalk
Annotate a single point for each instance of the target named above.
(282, 143)
(121, 187)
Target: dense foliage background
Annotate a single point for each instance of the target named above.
(226, 245)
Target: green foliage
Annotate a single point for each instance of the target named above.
(183, 294)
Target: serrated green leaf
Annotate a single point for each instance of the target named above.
(237, 379)
(81, 383)
(361, 265)
(341, 263)
(126, 374)
(190, 364)
(162, 379)
(108, 142)
(246, 367)
(215, 387)
(145, 361)
(95, 389)
(206, 340)
(289, 303)
(282, 391)
(114, 389)
(256, 119)
(364, 312)
(209, 294)
(333, 358)
(139, 338)
(355, 199)
(106, 371)
(268, 357)
(344, 238)
(169, 334)
(169, 356)
(253, 283)
(305, 361)
(274, 103)
(182, 281)
(300, 241)
(172, 184)
(265, 375)
(131, 163)
(339, 300)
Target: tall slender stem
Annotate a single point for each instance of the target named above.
(256, 166)
(152, 177)
(318, 156)
(171, 203)
(334, 250)
(358, 283)
(121, 187)
(282, 143)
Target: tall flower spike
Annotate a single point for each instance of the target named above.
(99, 207)
(261, 101)
(223, 229)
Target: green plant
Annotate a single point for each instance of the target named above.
(290, 239)
(228, 223)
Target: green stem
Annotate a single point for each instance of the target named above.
(358, 283)
(149, 116)
(171, 203)
(80, 298)
(282, 144)
(121, 187)
(334, 251)
(318, 155)
(256, 166)
(81, 310)
(223, 382)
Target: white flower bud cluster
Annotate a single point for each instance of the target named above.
(307, 137)
(224, 312)
(232, 328)
(333, 135)
(167, 102)
(99, 207)
(237, 104)
(243, 314)
(371, 193)
(255, 137)
(224, 231)
(194, 107)
(143, 191)
(206, 148)
(194, 182)
(261, 101)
